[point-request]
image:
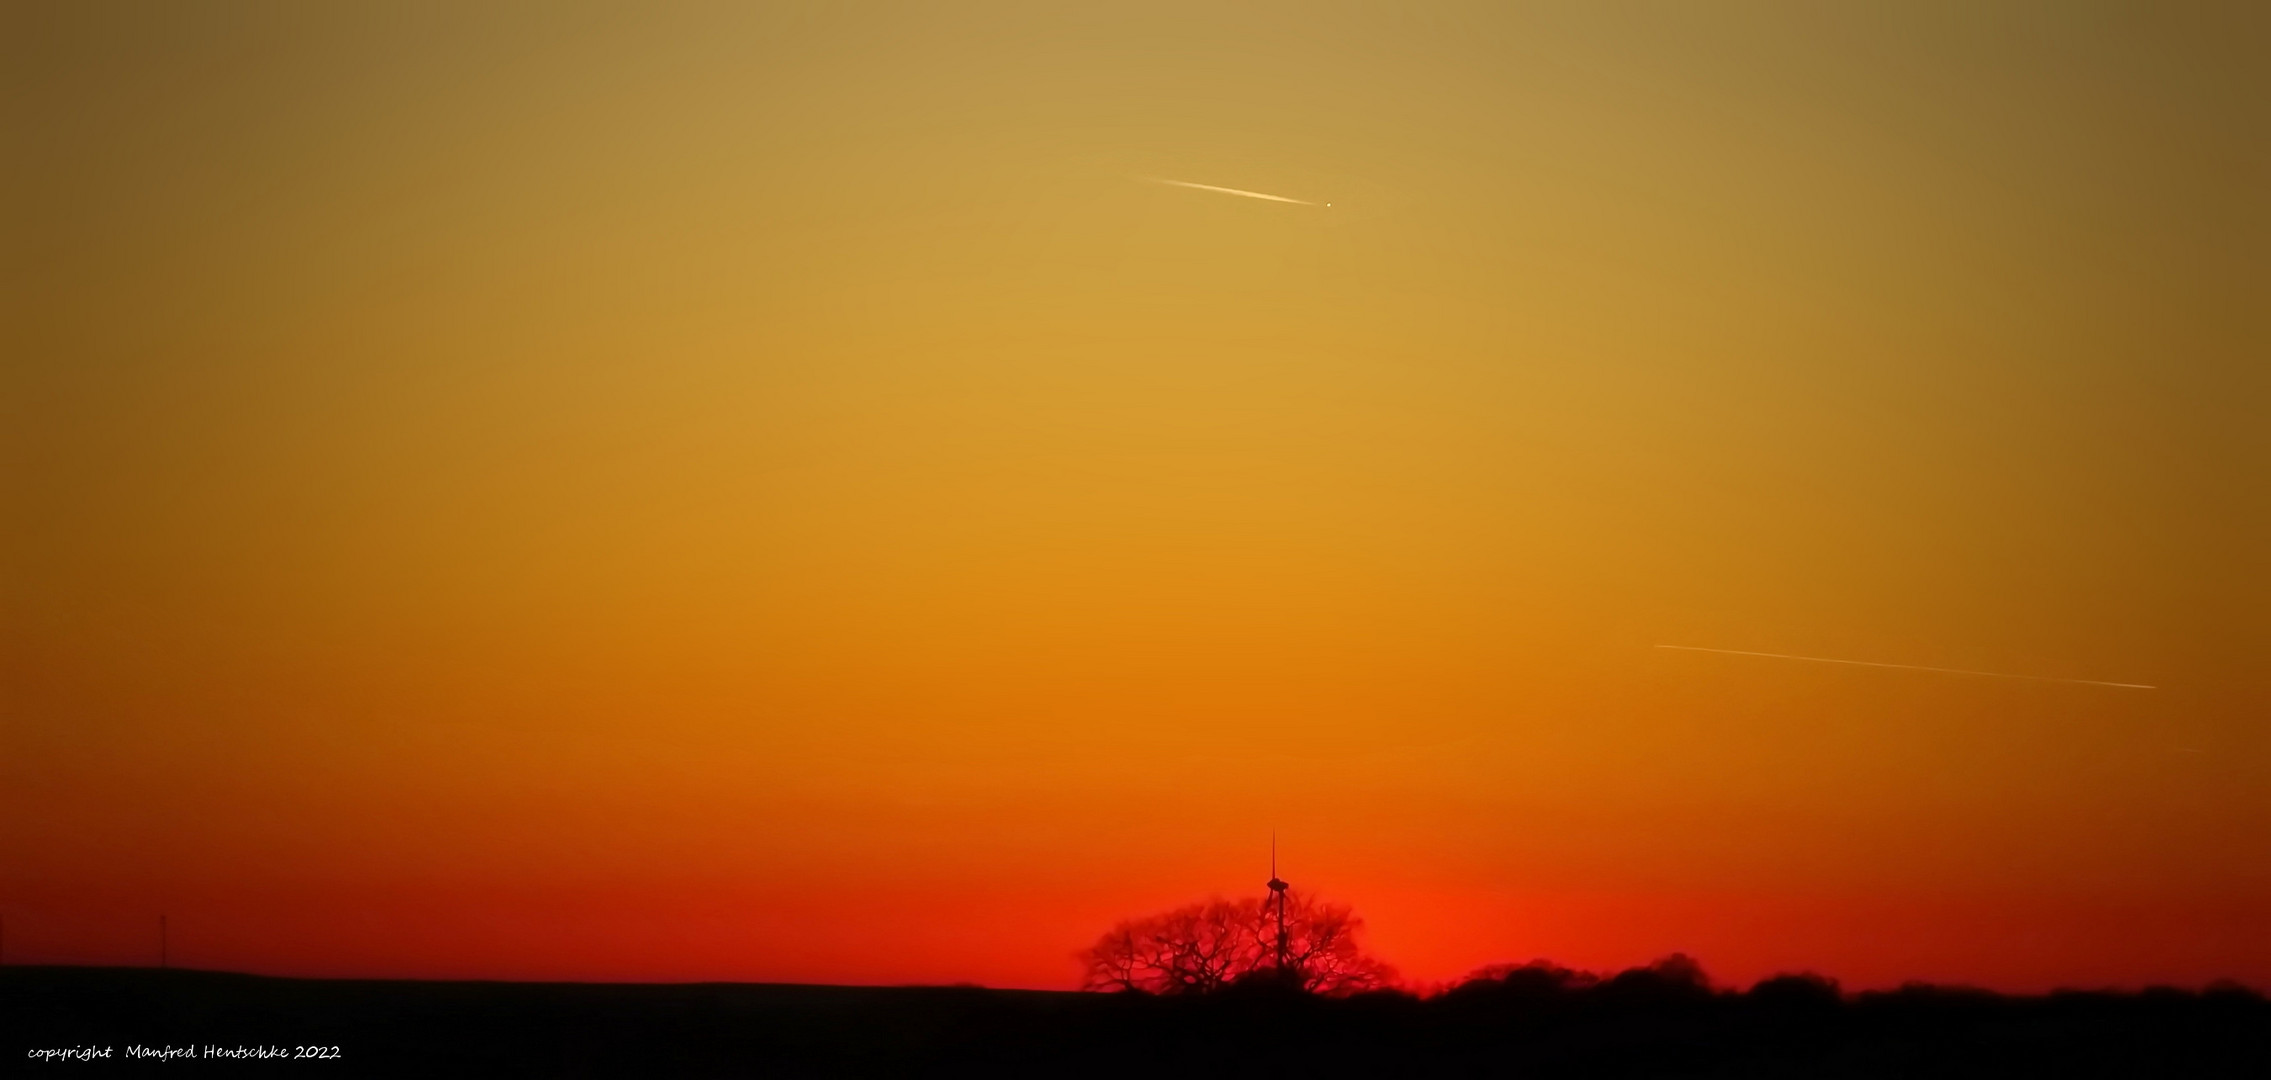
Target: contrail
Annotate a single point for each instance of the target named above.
(1232, 191)
(1911, 667)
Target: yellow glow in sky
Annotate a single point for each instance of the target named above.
(692, 477)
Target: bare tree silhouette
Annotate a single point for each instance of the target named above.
(1216, 944)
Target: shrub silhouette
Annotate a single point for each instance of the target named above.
(1804, 992)
(1217, 944)
(1536, 981)
(1674, 980)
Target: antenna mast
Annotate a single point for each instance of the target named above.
(1278, 888)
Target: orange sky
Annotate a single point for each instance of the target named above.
(775, 495)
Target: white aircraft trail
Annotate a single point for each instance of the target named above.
(1910, 667)
(1231, 191)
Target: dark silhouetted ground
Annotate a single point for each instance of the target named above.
(1499, 1028)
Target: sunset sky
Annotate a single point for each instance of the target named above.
(781, 492)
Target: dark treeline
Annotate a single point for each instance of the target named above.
(1534, 1020)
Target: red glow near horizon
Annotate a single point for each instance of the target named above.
(759, 492)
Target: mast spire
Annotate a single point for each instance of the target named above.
(1278, 889)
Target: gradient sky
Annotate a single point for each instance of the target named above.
(768, 492)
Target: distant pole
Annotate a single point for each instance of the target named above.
(1281, 969)
(1278, 888)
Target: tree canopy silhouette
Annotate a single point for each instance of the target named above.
(1219, 943)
